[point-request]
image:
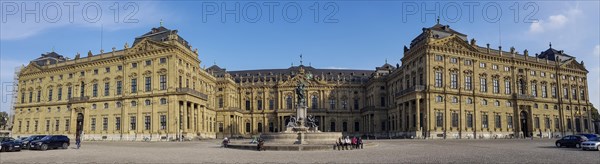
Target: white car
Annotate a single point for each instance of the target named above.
(591, 144)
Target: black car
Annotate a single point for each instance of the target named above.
(571, 140)
(51, 142)
(9, 144)
(26, 141)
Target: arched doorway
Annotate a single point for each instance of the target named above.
(79, 127)
(577, 125)
(524, 127)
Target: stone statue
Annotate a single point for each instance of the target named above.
(312, 122)
(300, 94)
(292, 122)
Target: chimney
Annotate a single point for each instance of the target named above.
(488, 48)
(500, 50)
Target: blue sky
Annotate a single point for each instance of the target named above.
(329, 34)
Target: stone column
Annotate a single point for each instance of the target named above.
(410, 114)
(418, 113)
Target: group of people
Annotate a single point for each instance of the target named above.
(349, 143)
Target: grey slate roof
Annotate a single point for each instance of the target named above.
(161, 34)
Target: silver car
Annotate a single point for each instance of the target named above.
(591, 144)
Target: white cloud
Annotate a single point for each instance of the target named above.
(554, 22)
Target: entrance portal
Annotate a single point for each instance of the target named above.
(79, 127)
(524, 127)
(577, 125)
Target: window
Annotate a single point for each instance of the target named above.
(356, 126)
(106, 89)
(574, 93)
(120, 68)
(69, 92)
(163, 60)
(35, 126)
(542, 74)
(468, 82)
(163, 101)
(288, 102)
(146, 122)
(508, 103)
(439, 58)
(332, 103)
(95, 90)
(50, 94)
(382, 102)
(356, 105)
(497, 121)
(566, 92)
(133, 103)
(117, 123)
(259, 104)
(247, 127)
(67, 122)
(494, 66)
(581, 94)
(148, 83)
(119, 87)
(70, 76)
(95, 71)
(56, 126)
(484, 102)
(482, 65)
(453, 81)
(93, 124)
(469, 120)
(506, 68)
(47, 125)
(133, 65)
(315, 102)
(484, 120)
(439, 119)
(104, 124)
(163, 122)
(82, 73)
(148, 62)
(118, 104)
(134, 85)
(107, 69)
(496, 85)
(469, 100)
(534, 89)
(454, 119)
(454, 99)
(345, 126)
(544, 91)
(547, 122)
(569, 126)
(439, 98)
(93, 106)
(496, 103)
(585, 123)
(438, 79)
(30, 96)
(468, 62)
(553, 93)
(537, 122)
(147, 102)
(249, 105)
(509, 121)
(271, 104)
(483, 84)
(163, 82)
(556, 123)
(132, 121)
(39, 94)
(105, 105)
(532, 73)
(453, 60)
(507, 87)
(332, 126)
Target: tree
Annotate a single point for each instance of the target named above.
(595, 114)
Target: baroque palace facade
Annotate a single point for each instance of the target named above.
(446, 87)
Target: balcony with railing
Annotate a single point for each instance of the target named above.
(192, 92)
(416, 88)
(79, 99)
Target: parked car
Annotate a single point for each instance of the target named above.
(591, 144)
(571, 140)
(590, 136)
(51, 142)
(26, 141)
(10, 144)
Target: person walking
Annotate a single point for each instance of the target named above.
(78, 142)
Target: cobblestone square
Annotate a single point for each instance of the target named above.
(387, 151)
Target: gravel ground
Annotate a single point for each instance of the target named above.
(387, 151)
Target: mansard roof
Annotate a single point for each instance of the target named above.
(161, 34)
(49, 58)
(293, 70)
(553, 55)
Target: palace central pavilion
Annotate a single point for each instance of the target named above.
(447, 86)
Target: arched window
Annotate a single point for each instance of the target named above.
(118, 104)
(260, 128)
(105, 105)
(315, 102)
(247, 127)
(163, 101)
(147, 102)
(288, 102)
(133, 103)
